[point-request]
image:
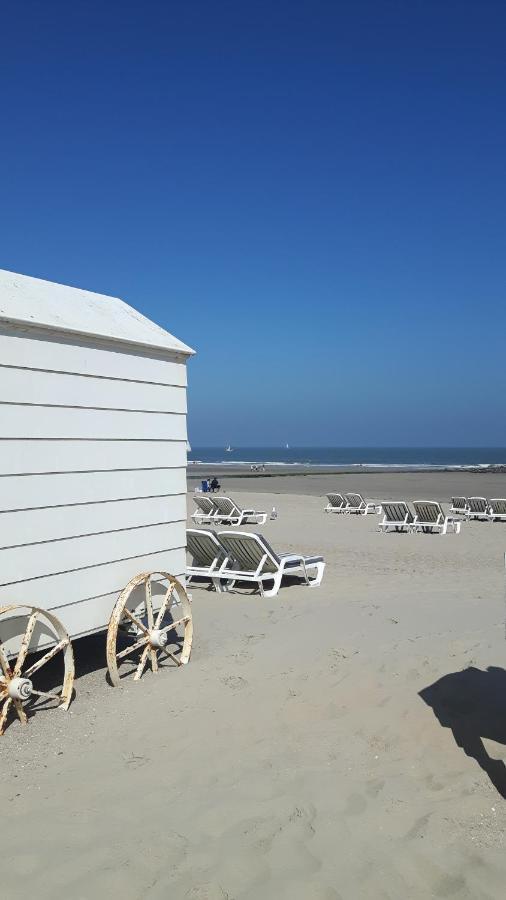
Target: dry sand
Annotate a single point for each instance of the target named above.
(293, 758)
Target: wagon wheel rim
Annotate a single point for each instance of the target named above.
(18, 687)
(151, 632)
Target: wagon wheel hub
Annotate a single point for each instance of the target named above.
(17, 688)
(158, 639)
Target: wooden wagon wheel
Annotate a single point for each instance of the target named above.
(152, 615)
(18, 687)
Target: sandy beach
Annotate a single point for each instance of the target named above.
(330, 744)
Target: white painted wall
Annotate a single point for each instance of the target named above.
(92, 471)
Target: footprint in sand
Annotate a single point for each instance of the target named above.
(451, 886)
(254, 638)
(298, 890)
(419, 828)
(235, 682)
(136, 762)
(374, 787)
(433, 784)
(241, 657)
(209, 891)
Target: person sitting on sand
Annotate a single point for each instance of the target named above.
(215, 485)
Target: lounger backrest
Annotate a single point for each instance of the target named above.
(248, 549)
(477, 504)
(336, 500)
(498, 506)
(397, 511)
(204, 546)
(226, 506)
(428, 511)
(205, 504)
(354, 499)
(459, 502)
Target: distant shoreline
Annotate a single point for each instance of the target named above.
(197, 470)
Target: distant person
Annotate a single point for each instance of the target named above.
(205, 486)
(215, 484)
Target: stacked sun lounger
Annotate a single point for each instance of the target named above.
(350, 504)
(479, 508)
(497, 509)
(208, 555)
(232, 557)
(224, 511)
(428, 517)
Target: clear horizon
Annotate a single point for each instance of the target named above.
(359, 446)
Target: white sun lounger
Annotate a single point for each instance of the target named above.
(255, 560)
(429, 517)
(497, 509)
(477, 508)
(336, 504)
(208, 554)
(459, 506)
(355, 503)
(206, 510)
(397, 516)
(227, 511)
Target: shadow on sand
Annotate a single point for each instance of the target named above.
(473, 704)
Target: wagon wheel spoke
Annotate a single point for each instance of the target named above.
(140, 643)
(20, 711)
(4, 663)
(142, 663)
(47, 695)
(174, 624)
(45, 659)
(163, 608)
(154, 660)
(136, 621)
(4, 715)
(148, 602)
(171, 656)
(25, 643)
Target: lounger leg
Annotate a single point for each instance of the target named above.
(317, 580)
(275, 587)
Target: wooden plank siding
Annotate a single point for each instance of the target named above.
(20, 457)
(61, 423)
(92, 471)
(29, 526)
(61, 354)
(53, 388)
(69, 488)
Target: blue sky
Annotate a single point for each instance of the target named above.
(311, 194)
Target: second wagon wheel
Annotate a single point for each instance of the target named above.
(22, 630)
(151, 622)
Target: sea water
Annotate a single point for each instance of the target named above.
(380, 457)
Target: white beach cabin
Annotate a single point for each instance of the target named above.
(92, 450)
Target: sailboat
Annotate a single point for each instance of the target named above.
(188, 447)
(228, 449)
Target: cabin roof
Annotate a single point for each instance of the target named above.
(32, 302)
